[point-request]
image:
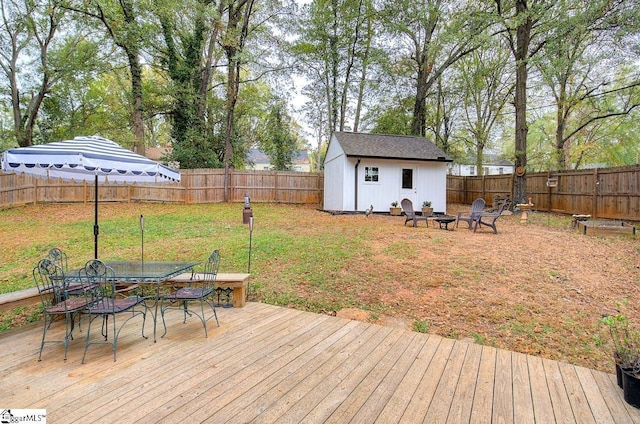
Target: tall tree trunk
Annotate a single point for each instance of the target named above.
(363, 75)
(480, 159)
(239, 13)
(128, 38)
(523, 39)
(561, 124)
(209, 64)
(232, 98)
(137, 121)
(334, 59)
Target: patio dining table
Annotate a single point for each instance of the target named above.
(147, 275)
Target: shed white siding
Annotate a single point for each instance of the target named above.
(380, 181)
(334, 165)
(429, 183)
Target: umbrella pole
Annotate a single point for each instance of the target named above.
(96, 228)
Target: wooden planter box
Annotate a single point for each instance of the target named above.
(606, 228)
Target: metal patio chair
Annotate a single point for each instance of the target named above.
(59, 257)
(56, 302)
(476, 208)
(104, 304)
(199, 291)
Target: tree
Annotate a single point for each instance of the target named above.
(239, 13)
(27, 32)
(335, 49)
(486, 89)
(433, 35)
(571, 66)
(440, 119)
(279, 143)
(188, 62)
(120, 21)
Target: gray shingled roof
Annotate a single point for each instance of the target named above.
(389, 147)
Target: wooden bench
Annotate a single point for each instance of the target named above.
(238, 282)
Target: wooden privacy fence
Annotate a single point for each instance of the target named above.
(196, 186)
(612, 193)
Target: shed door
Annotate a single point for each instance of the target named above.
(408, 187)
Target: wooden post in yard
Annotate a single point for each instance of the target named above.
(594, 206)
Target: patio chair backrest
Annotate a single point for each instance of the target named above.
(49, 280)
(503, 206)
(477, 206)
(210, 269)
(99, 281)
(59, 258)
(407, 206)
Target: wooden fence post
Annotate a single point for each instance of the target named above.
(548, 192)
(594, 206)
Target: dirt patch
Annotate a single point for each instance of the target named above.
(368, 316)
(354, 313)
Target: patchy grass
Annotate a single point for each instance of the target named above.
(538, 288)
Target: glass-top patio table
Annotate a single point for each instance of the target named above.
(148, 272)
(151, 273)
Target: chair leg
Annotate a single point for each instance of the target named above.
(69, 325)
(114, 344)
(204, 321)
(68, 331)
(47, 324)
(86, 341)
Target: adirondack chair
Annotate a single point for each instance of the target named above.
(410, 214)
(476, 208)
(489, 218)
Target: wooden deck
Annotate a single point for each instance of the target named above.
(267, 364)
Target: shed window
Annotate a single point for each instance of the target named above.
(407, 178)
(371, 174)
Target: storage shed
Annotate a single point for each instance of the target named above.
(361, 170)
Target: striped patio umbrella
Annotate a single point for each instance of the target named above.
(90, 158)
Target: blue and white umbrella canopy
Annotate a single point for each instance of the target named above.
(90, 158)
(84, 159)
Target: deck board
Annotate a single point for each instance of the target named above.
(267, 364)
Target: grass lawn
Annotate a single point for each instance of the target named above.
(538, 289)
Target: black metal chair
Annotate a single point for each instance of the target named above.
(198, 290)
(410, 214)
(103, 303)
(476, 208)
(56, 302)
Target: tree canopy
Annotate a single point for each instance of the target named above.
(548, 84)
